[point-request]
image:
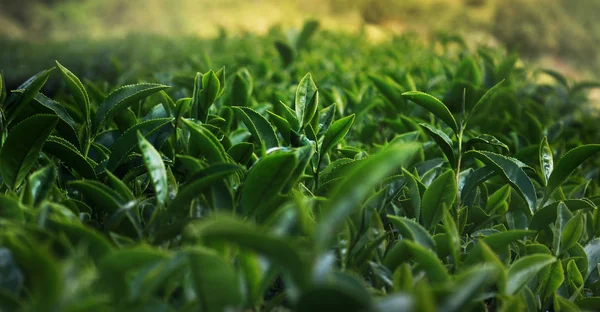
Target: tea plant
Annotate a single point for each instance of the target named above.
(458, 184)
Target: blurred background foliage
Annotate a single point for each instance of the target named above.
(564, 34)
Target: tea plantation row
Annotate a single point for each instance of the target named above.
(395, 177)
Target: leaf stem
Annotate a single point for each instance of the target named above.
(459, 136)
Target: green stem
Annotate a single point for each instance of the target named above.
(459, 136)
(89, 140)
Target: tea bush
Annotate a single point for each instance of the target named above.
(316, 172)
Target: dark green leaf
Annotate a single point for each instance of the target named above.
(122, 98)
(485, 139)
(413, 231)
(286, 52)
(442, 140)
(282, 125)
(215, 281)
(241, 89)
(571, 233)
(489, 94)
(550, 279)
(250, 237)
(336, 133)
(103, 197)
(258, 125)
(495, 242)
(241, 152)
(39, 185)
(355, 187)
(70, 156)
(11, 209)
(78, 91)
(205, 144)
(524, 269)
(429, 262)
(434, 106)
(199, 182)
(468, 285)
(128, 140)
(341, 294)
(567, 164)
(22, 147)
(264, 181)
(547, 215)
(17, 102)
(439, 196)
(511, 171)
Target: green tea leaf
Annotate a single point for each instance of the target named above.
(547, 215)
(489, 94)
(338, 294)
(39, 185)
(442, 140)
(215, 281)
(156, 169)
(128, 140)
(571, 233)
(413, 231)
(550, 279)
(439, 196)
(258, 125)
(454, 235)
(307, 100)
(336, 133)
(241, 89)
(22, 147)
(206, 91)
(592, 250)
(120, 187)
(250, 237)
(546, 160)
(567, 164)
(485, 139)
(286, 52)
(78, 91)
(205, 144)
(511, 171)
(389, 88)
(60, 111)
(429, 262)
(103, 197)
(469, 283)
(11, 209)
(199, 182)
(574, 274)
(122, 98)
(264, 181)
(354, 188)
(69, 155)
(17, 102)
(497, 202)
(308, 30)
(434, 106)
(241, 152)
(495, 242)
(524, 269)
